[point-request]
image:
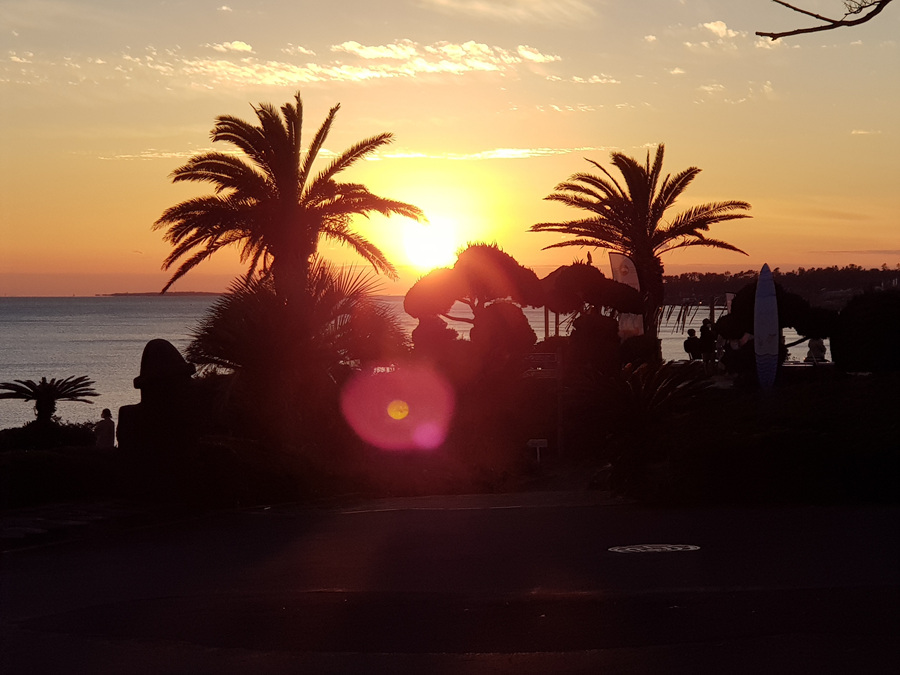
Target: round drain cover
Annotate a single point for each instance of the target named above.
(654, 548)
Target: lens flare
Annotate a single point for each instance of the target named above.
(407, 408)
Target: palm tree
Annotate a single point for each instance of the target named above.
(629, 218)
(270, 203)
(47, 394)
(282, 381)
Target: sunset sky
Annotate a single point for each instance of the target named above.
(492, 102)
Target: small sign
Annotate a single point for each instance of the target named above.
(536, 444)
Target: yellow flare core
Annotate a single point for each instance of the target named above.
(398, 409)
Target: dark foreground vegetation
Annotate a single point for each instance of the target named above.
(829, 287)
(818, 437)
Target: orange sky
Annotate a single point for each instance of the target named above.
(492, 104)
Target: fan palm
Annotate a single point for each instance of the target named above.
(630, 218)
(270, 204)
(285, 378)
(46, 394)
(244, 330)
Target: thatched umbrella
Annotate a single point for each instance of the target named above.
(491, 274)
(569, 288)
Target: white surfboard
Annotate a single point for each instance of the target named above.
(766, 332)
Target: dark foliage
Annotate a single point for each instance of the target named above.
(829, 287)
(867, 334)
(793, 311)
(501, 335)
(824, 439)
(38, 435)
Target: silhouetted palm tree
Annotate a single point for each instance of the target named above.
(46, 394)
(629, 218)
(270, 203)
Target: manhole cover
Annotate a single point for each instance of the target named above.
(654, 548)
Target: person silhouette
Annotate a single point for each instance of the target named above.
(105, 430)
(816, 352)
(692, 345)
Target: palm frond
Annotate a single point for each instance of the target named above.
(72, 388)
(225, 172)
(246, 137)
(312, 152)
(348, 158)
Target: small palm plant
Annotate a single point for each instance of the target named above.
(644, 401)
(46, 394)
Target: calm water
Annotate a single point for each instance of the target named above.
(103, 338)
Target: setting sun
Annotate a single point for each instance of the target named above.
(432, 244)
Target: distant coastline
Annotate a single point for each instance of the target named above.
(181, 293)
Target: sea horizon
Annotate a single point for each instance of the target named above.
(103, 337)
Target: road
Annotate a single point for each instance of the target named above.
(471, 584)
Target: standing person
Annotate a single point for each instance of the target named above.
(816, 353)
(105, 430)
(708, 346)
(692, 345)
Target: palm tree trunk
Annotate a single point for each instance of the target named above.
(44, 410)
(650, 274)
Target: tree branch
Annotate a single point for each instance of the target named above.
(869, 9)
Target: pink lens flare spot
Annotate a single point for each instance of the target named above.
(429, 436)
(407, 408)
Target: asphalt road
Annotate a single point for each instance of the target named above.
(507, 583)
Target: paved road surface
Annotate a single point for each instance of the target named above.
(482, 584)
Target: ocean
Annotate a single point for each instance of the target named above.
(103, 338)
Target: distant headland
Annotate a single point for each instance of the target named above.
(149, 293)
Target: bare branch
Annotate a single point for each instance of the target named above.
(868, 9)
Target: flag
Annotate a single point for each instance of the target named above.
(624, 271)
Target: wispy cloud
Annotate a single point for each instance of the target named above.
(297, 50)
(532, 54)
(518, 11)
(401, 50)
(495, 153)
(864, 132)
(150, 153)
(716, 35)
(595, 79)
(870, 251)
(581, 107)
(239, 65)
(719, 29)
(236, 46)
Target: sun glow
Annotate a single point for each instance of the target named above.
(432, 244)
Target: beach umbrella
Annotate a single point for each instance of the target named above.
(568, 288)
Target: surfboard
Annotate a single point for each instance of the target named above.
(766, 332)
